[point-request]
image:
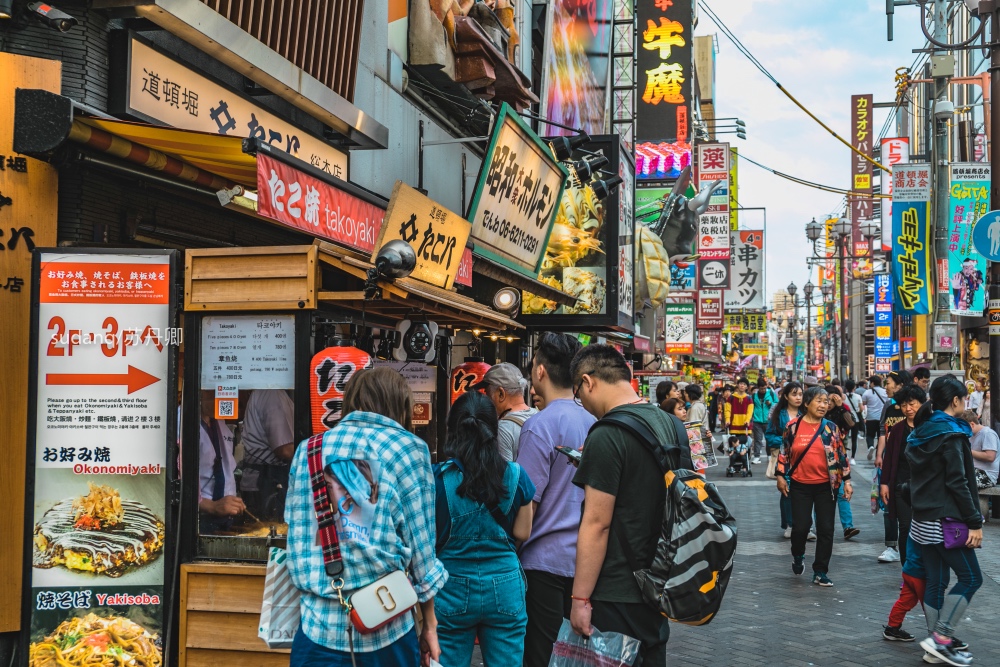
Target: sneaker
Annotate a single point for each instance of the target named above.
(896, 634)
(811, 537)
(853, 463)
(788, 533)
(798, 564)
(851, 532)
(755, 460)
(946, 654)
(871, 453)
(890, 555)
(931, 659)
(820, 579)
(958, 644)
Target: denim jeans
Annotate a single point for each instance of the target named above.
(844, 507)
(948, 610)
(405, 652)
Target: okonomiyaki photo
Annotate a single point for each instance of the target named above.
(99, 533)
(95, 641)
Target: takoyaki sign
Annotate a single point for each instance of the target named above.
(517, 196)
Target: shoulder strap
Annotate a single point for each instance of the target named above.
(517, 419)
(641, 432)
(328, 537)
(494, 510)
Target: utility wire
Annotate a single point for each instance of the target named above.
(746, 52)
(811, 184)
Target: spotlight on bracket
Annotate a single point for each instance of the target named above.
(585, 169)
(563, 147)
(507, 300)
(51, 16)
(602, 189)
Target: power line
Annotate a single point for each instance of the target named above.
(811, 184)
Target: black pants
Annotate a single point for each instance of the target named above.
(904, 517)
(548, 603)
(638, 620)
(806, 497)
(871, 432)
(855, 432)
(713, 419)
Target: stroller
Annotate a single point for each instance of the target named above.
(739, 458)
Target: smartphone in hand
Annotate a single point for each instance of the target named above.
(573, 455)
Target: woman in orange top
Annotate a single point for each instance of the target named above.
(812, 465)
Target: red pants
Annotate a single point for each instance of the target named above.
(911, 593)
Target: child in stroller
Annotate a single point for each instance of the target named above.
(739, 458)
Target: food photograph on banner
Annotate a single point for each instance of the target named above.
(678, 328)
(105, 413)
(970, 200)
(911, 266)
(665, 76)
(590, 254)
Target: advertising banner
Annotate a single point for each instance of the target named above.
(517, 196)
(970, 200)
(665, 74)
(745, 323)
(714, 225)
(710, 309)
(911, 266)
(747, 269)
(105, 415)
(734, 179)
(307, 204)
(861, 178)
(437, 235)
(754, 348)
(713, 274)
(678, 327)
(894, 151)
(709, 342)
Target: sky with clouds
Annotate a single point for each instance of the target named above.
(822, 52)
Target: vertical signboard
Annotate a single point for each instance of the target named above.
(104, 417)
(747, 271)
(883, 323)
(861, 178)
(678, 327)
(911, 266)
(734, 179)
(626, 239)
(970, 200)
(710, 309)
(664, 71)
(894, 151)
(28, 217)
(713, 225)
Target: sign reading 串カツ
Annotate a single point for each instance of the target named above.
(747, 266)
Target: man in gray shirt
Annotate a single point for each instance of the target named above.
(505, 386)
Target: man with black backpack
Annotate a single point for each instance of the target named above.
(624, 496)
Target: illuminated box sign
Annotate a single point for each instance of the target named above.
(911, 266)
(746, 323)
(894, 151)
(709, 309)
(664, 70)
(678, 328)
(151, 86)
(517, 196)
(862, 139)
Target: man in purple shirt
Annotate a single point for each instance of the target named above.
(549, 555)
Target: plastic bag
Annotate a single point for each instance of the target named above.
(602, 649)
(877, 503)
(279, 611)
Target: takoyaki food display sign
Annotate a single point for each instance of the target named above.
(104, 415)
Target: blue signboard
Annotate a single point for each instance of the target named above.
(883, 288)
(986, 236)
(911, 266)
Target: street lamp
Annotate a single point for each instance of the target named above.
(814, 231)
(807, 292)
(792, 289)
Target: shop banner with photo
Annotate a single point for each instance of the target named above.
(710, 310)
(590, 254)
(894, 151)
(102, 440)
(747, 269)
(517, 196)
(678, 328)
(665, 76)
(437, 235)
(862, 139)
(312, 206)
(970, 200)
(911, 239)
(883, 322)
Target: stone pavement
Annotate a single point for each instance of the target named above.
(771, 617)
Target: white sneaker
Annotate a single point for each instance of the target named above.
(853, 463)
(756, 460)
(788, 533)
(871, 453)
(890, 555)
(932, 659)
(811, 537)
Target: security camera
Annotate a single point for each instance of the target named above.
(51, 16)
(396, 259)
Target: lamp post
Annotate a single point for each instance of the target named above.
(827, 290)
(792, 289)
(807, 292)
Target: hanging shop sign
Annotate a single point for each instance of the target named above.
(307, 204)
(714, 225)
(993, 316)
(747, 268)
(464, 275)
(249, 351)
(713, 274)
(590, 254)
(710, 309)
(861, 177)
(437, 235)
(754, 348)
(893, 151)
(466, 374)
(911, 266)
(678, 328)
(104, 433)
(517, 196)
(745, 323)
(709, 342)
(734, 204)
(966, 268)
(665, 74)
(153, 87)
(330, 371)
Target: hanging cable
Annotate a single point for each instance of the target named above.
(811, 184)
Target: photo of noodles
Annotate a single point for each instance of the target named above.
(94, 641)
(98, 533)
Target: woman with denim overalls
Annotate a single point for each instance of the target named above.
(483, 505)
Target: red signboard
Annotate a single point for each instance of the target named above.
(709, 342)
(309, 205)
(464, 275)
(710, 309)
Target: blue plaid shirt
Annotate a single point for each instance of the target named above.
(401, 535)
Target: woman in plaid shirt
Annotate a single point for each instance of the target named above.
(383, 487)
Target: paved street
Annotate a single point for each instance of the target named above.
(771, 617)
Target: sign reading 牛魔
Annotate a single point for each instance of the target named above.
(250, 351)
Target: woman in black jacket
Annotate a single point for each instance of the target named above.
(944, 497)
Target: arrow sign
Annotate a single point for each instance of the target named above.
(134, 379)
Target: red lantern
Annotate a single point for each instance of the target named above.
(329, 372)
(467, 374)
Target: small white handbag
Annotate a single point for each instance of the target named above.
(382, 601)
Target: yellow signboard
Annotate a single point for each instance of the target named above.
(746, 323)
(754, 348)
(734, 189)
(437, 235)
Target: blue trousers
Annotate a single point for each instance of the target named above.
(948, 609)
(405, 652)
(489, 607)
(844, 507)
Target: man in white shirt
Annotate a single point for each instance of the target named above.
(505, 385)
(268, 447)
(975, 399)
(985, 444)
(874, 399)
(218, 502)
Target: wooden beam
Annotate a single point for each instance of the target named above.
(342, 296)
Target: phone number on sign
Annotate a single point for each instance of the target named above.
(507, 231)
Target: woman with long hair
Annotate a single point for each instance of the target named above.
(787, 409)
(483, 507)
(812, 466)
(379, 480)
(945, 504)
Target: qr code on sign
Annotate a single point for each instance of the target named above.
(226, 408)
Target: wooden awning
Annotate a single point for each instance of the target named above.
(406, 295)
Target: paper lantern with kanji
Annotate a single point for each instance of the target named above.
(467, 374)
(328, 375)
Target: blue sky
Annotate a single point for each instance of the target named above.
(822, 53)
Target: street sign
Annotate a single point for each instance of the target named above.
(986, 236)
(994, 317)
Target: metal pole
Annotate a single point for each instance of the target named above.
(795, 339)
(942, 181)
(844, 306)
(994, 287)
(809, 347)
